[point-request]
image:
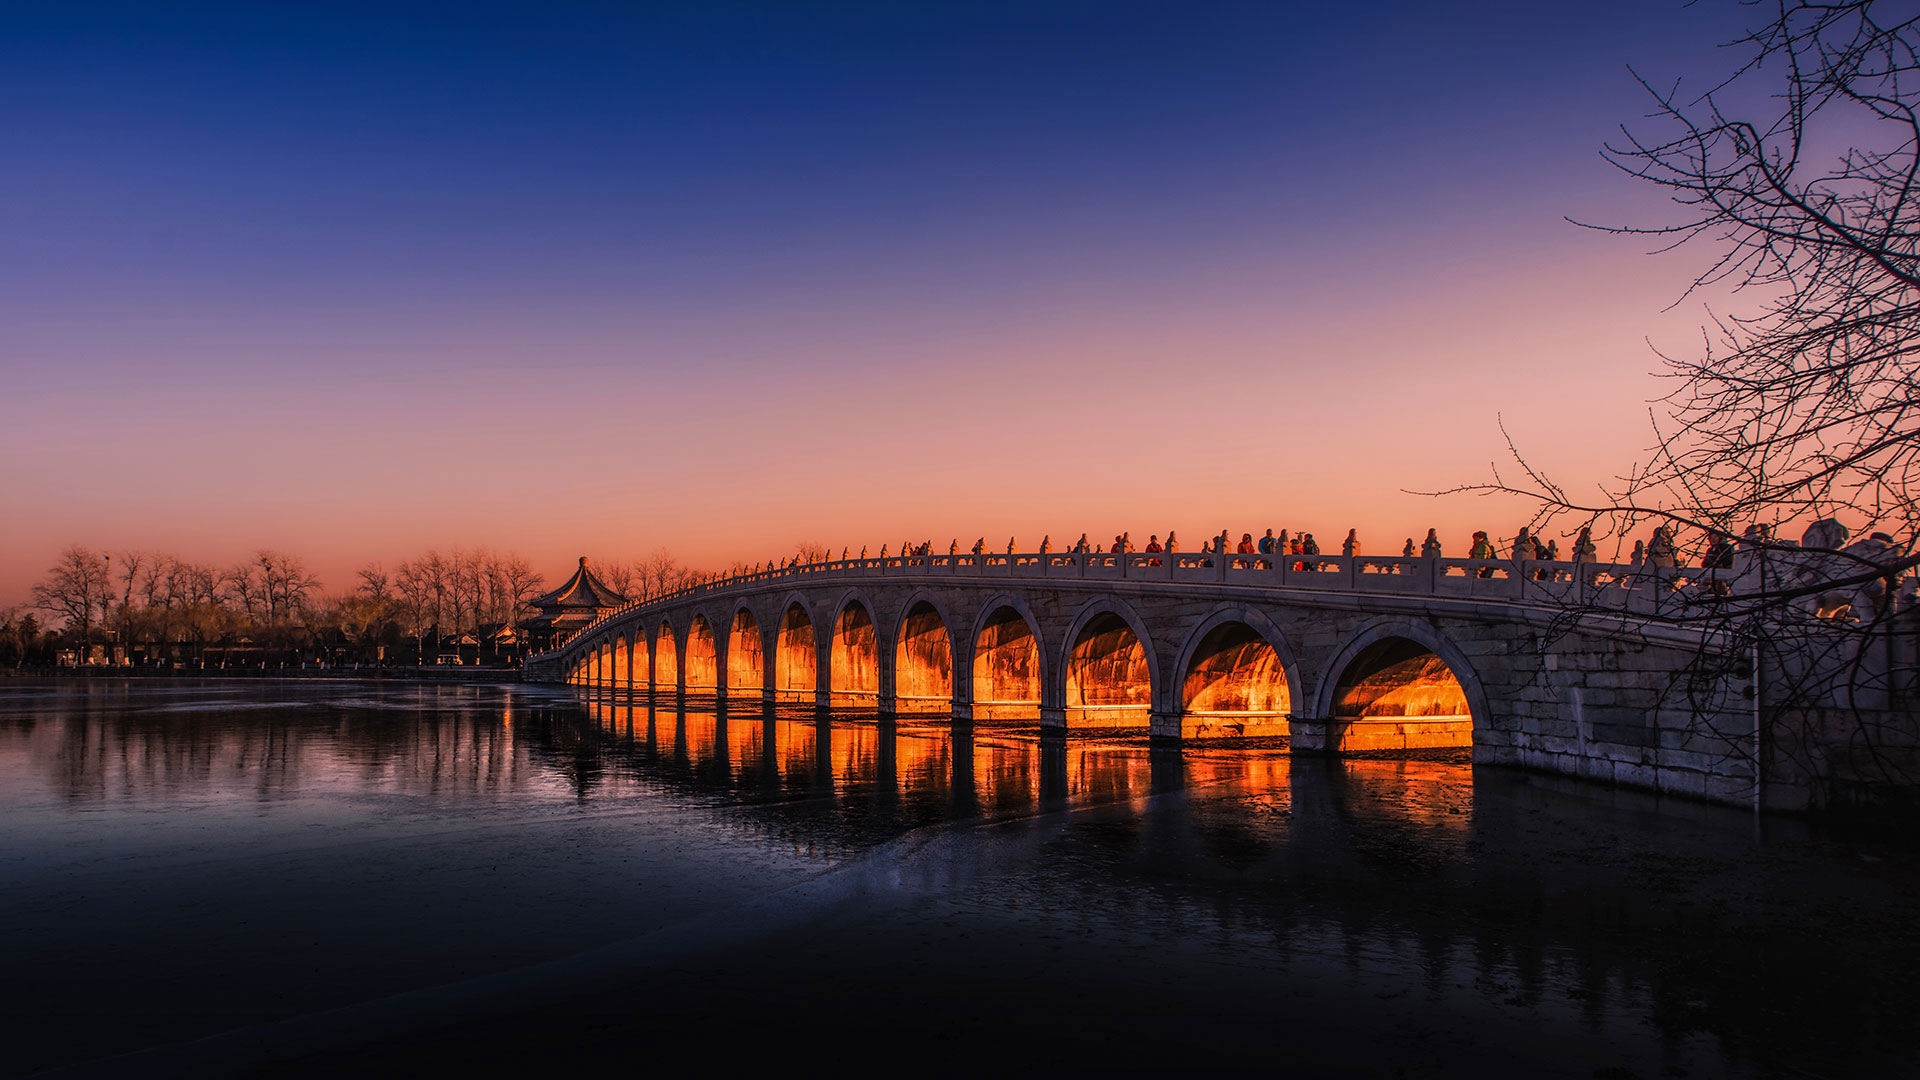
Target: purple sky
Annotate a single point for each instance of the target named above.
(356, 281)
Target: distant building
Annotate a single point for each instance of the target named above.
(569, 607)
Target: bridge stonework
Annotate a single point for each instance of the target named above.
(1601, 701)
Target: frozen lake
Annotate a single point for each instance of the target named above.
(313, 877)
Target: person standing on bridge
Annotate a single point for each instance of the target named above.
(1482, 549)
(1173, 541)
(1266, 543)
(1246, 545)
(1352, 545)
(980, 547)
(1430, 547)
(1719, 554)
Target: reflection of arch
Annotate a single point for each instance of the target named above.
(666, 657)
(1398, 683)
(1236, 676)
(923, 656)
(854, 659)
(1009, 666)
(795, 652)
(1108, 667)
(702, 659)
(746, 667)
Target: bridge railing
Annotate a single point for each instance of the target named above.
(1629, 588)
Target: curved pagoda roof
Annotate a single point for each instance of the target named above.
(582, 590)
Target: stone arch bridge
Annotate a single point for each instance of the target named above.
(1335, 653)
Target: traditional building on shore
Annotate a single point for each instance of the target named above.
(569, 607)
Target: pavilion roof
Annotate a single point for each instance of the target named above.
(582, 590)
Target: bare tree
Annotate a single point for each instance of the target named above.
(658, 573)
(285, 585)
(625, 578)
(1804, 409)
(374, 582)
(1801, 411)
(76, 589)
(519, 582)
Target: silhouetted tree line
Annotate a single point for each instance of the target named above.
(270, 609)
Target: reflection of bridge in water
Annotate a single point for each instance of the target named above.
(924, 771)
(1333, 653)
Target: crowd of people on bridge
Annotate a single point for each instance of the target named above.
(1660, 549)
(1822, 555)
(1300, 551)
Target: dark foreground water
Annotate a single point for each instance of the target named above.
(325, 879)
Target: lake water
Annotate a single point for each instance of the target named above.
(315, 878)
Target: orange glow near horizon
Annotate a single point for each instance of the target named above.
(1389, 413)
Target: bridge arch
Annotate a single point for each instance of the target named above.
(796, 651)
(854, 652)
(1010, 671)
(1109, 668)
(1236, 676)
(622, 662)
(640, 663)
(1400, 684)
(666, 656)
(746, 651)
(923, 655)
(702, 658)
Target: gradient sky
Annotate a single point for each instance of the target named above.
(356, 280)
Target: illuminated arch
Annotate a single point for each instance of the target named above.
(702, 658)
(854, 659)
(796, 652)
(1236, 675)
(1398, 683)
(1010, 670)
(641, 662)
(746, 663)
(666, 656)
(923, 655)
(1108, 667)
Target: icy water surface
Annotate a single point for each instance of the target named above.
(322, 878)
